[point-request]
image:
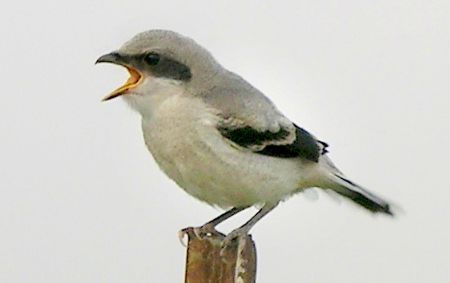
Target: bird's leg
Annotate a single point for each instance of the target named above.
(209, 228)
(224, 216)
(244, 229)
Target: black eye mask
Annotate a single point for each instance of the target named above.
(165, 67)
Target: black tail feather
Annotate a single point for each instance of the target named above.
(362, 197)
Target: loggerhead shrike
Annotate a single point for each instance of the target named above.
(218, 137)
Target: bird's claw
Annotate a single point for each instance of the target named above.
(182, 235)
(229, 239)
(201, 232)
(206, 230)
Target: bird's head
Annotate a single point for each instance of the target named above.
(159, 60)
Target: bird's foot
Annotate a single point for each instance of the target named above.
(236, 234)
(201, 232)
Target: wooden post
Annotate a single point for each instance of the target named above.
(204, 264)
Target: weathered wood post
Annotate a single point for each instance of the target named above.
(205, 264)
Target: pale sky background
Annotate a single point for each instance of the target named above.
(81, 199)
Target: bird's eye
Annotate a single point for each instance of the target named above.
(152, 58)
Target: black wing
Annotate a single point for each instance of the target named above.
(279, 144)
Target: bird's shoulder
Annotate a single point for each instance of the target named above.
(234, 97)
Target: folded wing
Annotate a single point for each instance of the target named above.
(248, 119)
(285, 143)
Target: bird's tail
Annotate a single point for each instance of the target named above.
(359, 195)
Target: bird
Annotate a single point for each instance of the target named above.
(220, 138)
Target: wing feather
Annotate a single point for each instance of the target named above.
(285, 143)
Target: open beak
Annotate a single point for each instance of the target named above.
(134, 79)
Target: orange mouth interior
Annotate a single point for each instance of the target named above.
(134, 80)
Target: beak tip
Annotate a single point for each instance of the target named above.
(113, 57)
(111, 96)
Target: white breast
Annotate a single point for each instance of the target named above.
(181, 135)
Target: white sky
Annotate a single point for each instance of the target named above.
(81, 200)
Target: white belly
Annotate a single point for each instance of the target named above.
(182, 138)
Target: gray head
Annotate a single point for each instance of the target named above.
(161, 57)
